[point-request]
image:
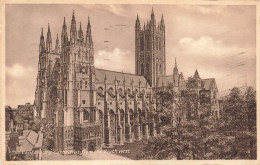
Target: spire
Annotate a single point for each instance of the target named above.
(73, 29)
(175, 70)
(162, 23)
(42, 34)
(64, 34)
(49, 40)
(80, 33)
(88, 35)
(152, 17)
(137, 23)
(89, 27)
(88, 21)
(48, 27)
(196, 74)
(42, 43)
(57, 45)
(162, 20)
(175, 74)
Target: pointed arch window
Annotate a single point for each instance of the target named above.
(122, 119)
(86, 55)
(142, 69)
(156, 42)
(112, 123)
(142, 43)
(160, 44)
(147, 68)
(131, 116)
(147, 41)
(79, 54)
(86, 116)
(160, 68)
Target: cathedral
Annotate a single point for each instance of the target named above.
(93, 108)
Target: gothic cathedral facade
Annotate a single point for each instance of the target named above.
(94, 108)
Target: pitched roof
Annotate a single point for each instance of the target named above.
(164, 80)
(32, 137)
(32, 140)
(207, 83)
(111, 75)
(196, 74)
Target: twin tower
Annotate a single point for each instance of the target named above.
(150, 59)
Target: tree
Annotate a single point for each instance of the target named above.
(184, 132)
(47, 128)
(238, 124)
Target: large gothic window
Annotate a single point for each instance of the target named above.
(157, 70)
(122, 116)
(147, 68)
(140, 119)
(112, 124)
(142, 69)
(160, 44)
(131, 116)
(160, 69)
(86, 55)
(100, 120)
(79, 54)
(156, 42)
(142, 43)
(147, 42)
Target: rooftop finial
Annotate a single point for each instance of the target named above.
(175, 62)
(48, 27)
(73, 16)
(42, 31)
(64, 22)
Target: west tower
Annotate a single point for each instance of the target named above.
(150, 49)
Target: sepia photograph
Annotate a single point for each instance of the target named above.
(130, 82)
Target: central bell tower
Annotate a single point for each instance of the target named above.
(150, 59)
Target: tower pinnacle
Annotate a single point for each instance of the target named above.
(73, 29)
(42, 43)
(49, 40)
(64, 34)
(57, 45)
(88, 35)
(80, 33)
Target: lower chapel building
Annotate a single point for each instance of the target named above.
(93, 108)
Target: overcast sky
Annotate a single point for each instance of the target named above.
(217, 40)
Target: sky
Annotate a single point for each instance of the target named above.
(218, 40)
